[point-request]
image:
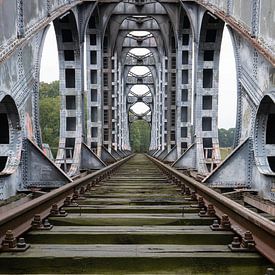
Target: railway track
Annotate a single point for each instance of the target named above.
(137, 216)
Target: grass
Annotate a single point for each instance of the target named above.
(225, 152)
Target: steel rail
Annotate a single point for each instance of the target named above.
(19, 218)
(241, 218)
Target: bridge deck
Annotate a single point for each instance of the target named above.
(136, 222)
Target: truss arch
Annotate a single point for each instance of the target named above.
(264, 139)
(10, 135)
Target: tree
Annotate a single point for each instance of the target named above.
(49, 105)
(226, 137)
(140, 135)
(49, 89)
(140, 130)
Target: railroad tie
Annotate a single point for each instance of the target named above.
(135, 220)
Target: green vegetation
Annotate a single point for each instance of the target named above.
(49, 120)
(225, 151)
(140, 132)
(49, 104)
(226, 137)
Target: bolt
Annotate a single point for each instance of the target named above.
(88, 187)
(21, 243)
(202, 212)
(93, 183)
(248, 236)
(236, 242)
(193, 196)
(54, 210)
(9, 235)
(9, 240)
(47, 224)
(82, 190)
(251, 245)
(75, 195)
(67, 201)
(225, 223)
(215, 224)
(187, 191)
(247, 241)
(36, 222)
(211, 210)
(62, 211)
(201, 202)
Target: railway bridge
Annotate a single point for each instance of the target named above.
(156, 209)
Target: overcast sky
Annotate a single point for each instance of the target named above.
(227, 87)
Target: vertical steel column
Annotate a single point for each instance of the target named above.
(206, 100)
(162, 99)
(184, 89)
(115, 99)
(69, 152)
(94, 86)
(120, 102)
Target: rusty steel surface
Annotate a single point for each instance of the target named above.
(19, 219)
(234, 24)
(241, 218)
(16, 43)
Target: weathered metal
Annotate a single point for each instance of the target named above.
(241, 218)
(20, 218)
(183, 42)
(134, 220)
(240, 28)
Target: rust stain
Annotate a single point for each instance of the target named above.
(234, 24)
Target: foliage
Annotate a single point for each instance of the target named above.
(140, 135)
(226, 137)
(49, 89)
(139, 130)
(49, 113)
(225, 152)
